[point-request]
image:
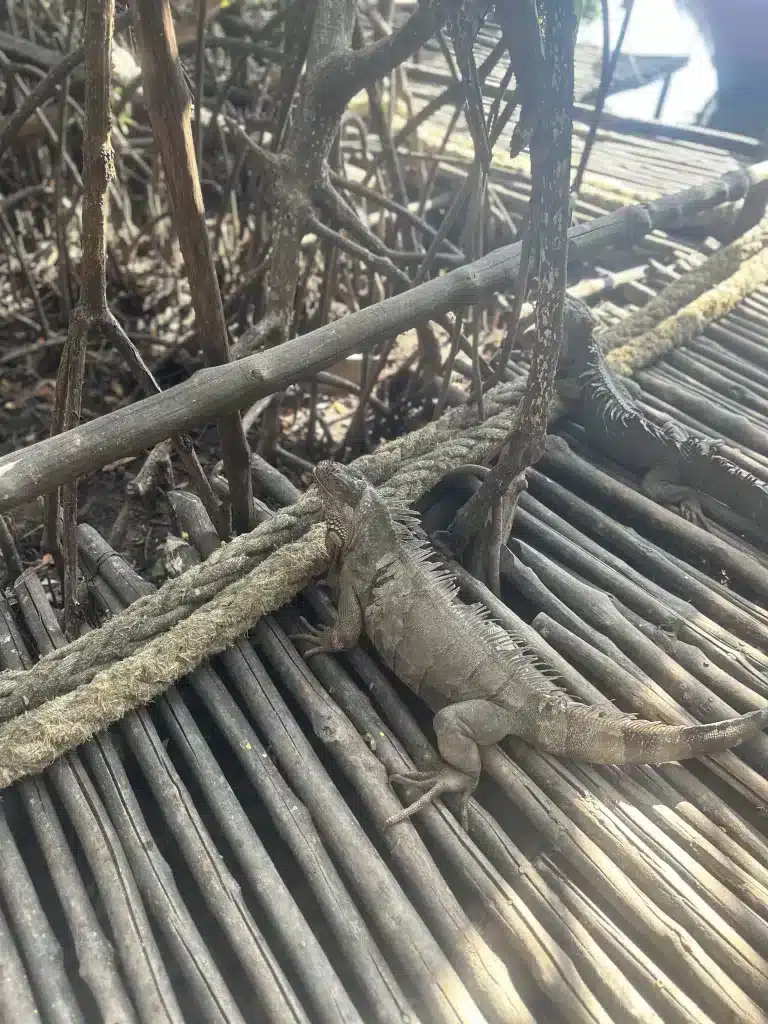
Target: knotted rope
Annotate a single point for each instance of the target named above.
(134, 656)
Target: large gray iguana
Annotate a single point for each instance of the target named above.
(485, 682)
(678, 467)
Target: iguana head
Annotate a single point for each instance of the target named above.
(578, 323)
(341, 489)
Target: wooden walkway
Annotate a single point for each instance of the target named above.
(217, 858)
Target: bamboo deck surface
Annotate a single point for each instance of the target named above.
(218, 857)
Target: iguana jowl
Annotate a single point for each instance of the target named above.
(678, 467)
(485, 683)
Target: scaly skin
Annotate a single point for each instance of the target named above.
(678, 467)
(484, 681)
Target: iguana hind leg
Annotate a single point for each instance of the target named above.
(461, 730)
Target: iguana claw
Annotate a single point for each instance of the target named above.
(320, 635)
(436, 782)
(691, 511)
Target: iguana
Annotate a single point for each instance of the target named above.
(485, 682)
(678, 467)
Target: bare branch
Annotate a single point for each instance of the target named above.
(218, 390)
(548, 233)
(349, 72)
(91, 310)
(169, 108)
(46, 87)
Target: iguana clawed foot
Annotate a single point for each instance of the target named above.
(691, 511)
(324, 637)
(436, 782)
(661, 484)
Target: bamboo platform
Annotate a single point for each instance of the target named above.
(636, 159)
(219, 856)
(632, 72)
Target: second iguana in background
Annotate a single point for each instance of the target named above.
(485, 683)
(679, 468)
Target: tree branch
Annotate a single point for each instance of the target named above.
(349, 72)
(551, 167)
(218, 390)
(169, 110)
(91, 311)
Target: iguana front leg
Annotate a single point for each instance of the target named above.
(662, 484)
(461, 730)
(347, 628)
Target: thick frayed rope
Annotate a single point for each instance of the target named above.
(676, 298)
(162, 636)
(30, 742)
(690, 321)
(134, 656)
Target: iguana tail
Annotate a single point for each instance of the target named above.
(600, 735)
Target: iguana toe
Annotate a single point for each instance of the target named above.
(691, 510)
(436, 782)
(323, 637)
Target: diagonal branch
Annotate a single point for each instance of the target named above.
(211, 392)
(351, 70)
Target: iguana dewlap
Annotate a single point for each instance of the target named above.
(490, 686)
